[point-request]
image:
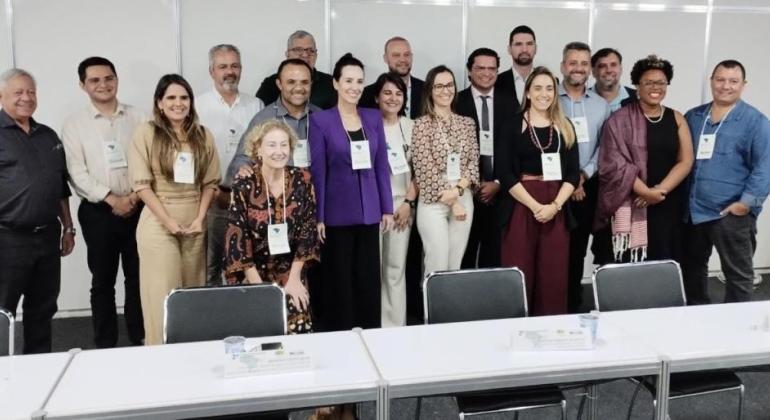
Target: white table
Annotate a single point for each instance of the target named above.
(27, 381)
(470, 356)
(186, 380)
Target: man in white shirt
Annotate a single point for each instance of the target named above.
(96, 139)
(227, 113)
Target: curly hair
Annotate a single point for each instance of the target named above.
(651, 62)
(255, 136)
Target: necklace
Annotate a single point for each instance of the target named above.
(660, 117)
(535, 140)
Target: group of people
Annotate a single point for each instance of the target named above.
(319, 182)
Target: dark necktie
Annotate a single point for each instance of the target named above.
(487, 171)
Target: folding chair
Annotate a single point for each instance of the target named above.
(6, 333)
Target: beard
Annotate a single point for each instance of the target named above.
(399, 72)
(230, 84)
(523, 60)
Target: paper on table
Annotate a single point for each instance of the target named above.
(559, 339)
(268, 362)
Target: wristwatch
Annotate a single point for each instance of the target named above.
(412, 203)
(460, 190)
(71, 230)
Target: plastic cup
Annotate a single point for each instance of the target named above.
(235, 344)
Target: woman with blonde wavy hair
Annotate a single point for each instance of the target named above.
(174, 169)
(539, 166)
(279, 199)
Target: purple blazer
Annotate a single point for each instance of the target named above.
(345, 196)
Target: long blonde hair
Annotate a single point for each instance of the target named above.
(554, 111)
(165, 140)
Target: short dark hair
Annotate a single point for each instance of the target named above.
(576, 46)
(521, 29)
(651, 62)
(604, 52)
(93, 61)
(293, 62)
(730, 64)
(482, 52)
(345, 60)
(395, 78)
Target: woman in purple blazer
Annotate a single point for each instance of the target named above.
(351, 175)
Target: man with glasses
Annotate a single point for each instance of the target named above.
(489, 112)
(522, 47)
(398, 56)
(301, 45)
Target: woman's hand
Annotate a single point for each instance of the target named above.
(449, 197)
(402, 217)
(194, 228)
(297, 291)
(174, 227)
(321, 232)
(546, 213)
(650, 196)
(244, 171)
(458, 211)
(387, 223)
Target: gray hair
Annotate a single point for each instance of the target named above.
(13, 73)
(222, 47)
(298, 34)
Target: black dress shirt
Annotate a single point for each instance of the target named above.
(322, 93)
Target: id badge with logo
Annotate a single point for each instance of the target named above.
(359, 154)
(581, 129)
(232, 140)
(278, 239)
(453, 166)
(397, 158)
(706, 145)
(486, 143)
(551, 166)
(184, 168)
(301, 154)
(113, 153)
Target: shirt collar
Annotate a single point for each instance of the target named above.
(477, 95)
(221, 99)
(516, 75)
(6, 121)
(119, 110)
(563, 91)
(281, 111)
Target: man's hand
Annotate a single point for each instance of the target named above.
(488, 191)
(122, 206)
(67, 243)
(736, 209)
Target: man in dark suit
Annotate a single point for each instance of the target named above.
(398, 57)
(489, 110)
(607, 66)
(301, 45)
(522, 47)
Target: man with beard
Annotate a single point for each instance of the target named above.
(225, 112)
(398, 57)
(607, 65)
(301, 45)
(522, 47)
(587, 111)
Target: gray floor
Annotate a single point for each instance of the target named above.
(614, 397)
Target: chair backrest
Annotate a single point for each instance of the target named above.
(6, 333)
(213, 313)
(473, 295)
(649, 284)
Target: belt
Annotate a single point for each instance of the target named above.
(24, 229)
(530, 177)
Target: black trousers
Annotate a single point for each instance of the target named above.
(110, 239)
(414, 278)
(351, 276)
(483, 250)
(30, 265)
(583, 212)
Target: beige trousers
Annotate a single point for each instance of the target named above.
(444, 239)
(167, 262)
(393, 249)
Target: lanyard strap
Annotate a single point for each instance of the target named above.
(708, 117)
(306, 117)
(267, 192)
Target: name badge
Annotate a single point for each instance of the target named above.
(278, 239)
(486, 143)
(397, 158)
(113, 153)
(453, 166)
(551, 166)
(706, 145)
(359, 154)
(184, 168)
(232, 140)
(581, 129)
(301, 154)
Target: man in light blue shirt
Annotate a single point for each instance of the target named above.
(607, 66)
(587, 111)
(728, 184)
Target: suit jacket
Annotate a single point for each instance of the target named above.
(322, 92)
(501, 111)
(339, 189)
(415, 97)
(505, 88)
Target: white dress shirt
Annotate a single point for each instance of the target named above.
(84, 136)
(519, 82)
(227, 123)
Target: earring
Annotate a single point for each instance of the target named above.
(162, 112)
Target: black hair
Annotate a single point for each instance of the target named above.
(345, 60)
(604, 52)
(93, 61)
(395, 78)
(730, 64)
(482, 52)
(521, 29)
(651, 62)
(294, 62)
(576, 46)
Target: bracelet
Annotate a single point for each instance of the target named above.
(558, 207)
(70, 229)
(460, 190)
(412, 203)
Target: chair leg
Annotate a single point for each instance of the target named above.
(515, 415)
(740, 403)
(564, 410)
(654, 406)
(418, 410)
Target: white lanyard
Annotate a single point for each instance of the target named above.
(307, 124)
(708, 117)
(267, 192)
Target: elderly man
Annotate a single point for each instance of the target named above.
(96, 139)
(398, 56)
(227, 113)
(34, 207)
(301, 45)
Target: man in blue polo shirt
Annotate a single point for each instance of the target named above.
(728, 184)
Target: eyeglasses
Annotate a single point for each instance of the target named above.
(658, 84)
(306, 51)
(448, 86)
